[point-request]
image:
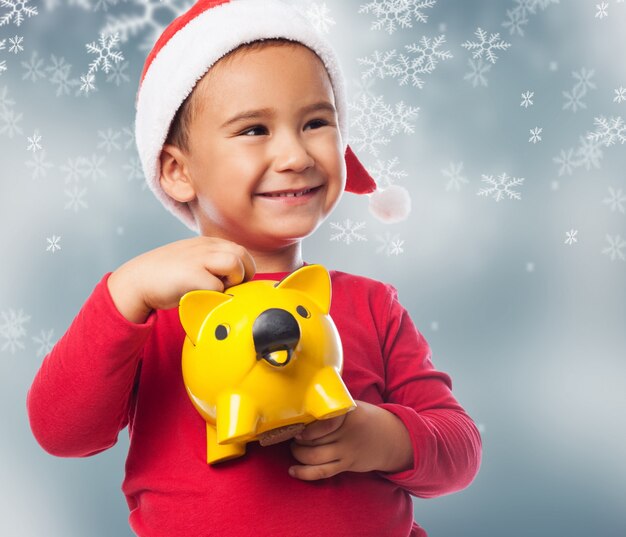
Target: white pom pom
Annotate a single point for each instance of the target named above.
(390, 205)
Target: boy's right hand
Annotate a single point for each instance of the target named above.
(159, 278)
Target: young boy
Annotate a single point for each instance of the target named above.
(241, 127)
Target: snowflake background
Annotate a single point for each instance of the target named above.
(512, 262)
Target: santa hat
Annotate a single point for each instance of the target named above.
(193, 43)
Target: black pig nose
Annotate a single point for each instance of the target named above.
(275, 333)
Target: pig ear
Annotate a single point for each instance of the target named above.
(313, 281)
(194, 307)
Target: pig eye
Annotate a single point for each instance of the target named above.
(221, 331)
(303, 312)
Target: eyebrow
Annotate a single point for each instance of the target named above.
(262, 112)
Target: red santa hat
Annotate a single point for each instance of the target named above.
(193, 43)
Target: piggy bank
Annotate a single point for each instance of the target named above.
(262, 360)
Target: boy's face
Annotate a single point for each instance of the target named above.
(237, 168)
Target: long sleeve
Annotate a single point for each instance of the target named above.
(446, 444)
(79, 400)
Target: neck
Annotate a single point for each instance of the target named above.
(287, 259)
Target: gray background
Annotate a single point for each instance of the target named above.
(530, 328)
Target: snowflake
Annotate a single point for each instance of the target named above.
(477, 74)
(601, 13)
(620, 95)
(385, 173)
(527, 99)
(105, 53)
(58, 67)
(19, 9)
(320, 17)
(12, 329)
(104, 4)
(534, 135)
(362, 87)
(571, 236)
(453, 172)
(590, 153)
(118, 74)
(3, 66)
(584, 79)
(44, 340)
(609, 131)
(390, 13)
(390, 244)
(75, 199)
(64, 83)
(11, 120)
(566, 161)
(74, 170)
(573, 99)
(16, 44)
(424, 62)
(93, 167)
(379, 64)
(616, 200)
(130, 137)
(34, 68)
(486, 45)
(33, 142)
(53, 244)
(516, 20)
(616, 244)
(134, 171)
(109, 140)
(39, 165)
(501, 186)
(88, 84)
(151, 14)
(348, 231)
(6, 104)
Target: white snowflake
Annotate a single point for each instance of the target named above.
(109, 140)
(319, 15)
(118, 74)
(362, 87)
(105, 53)
(53, 244)
(12, 329)
(535, 135)
(6, 103)
(609, 131)
(453, 173)
(390, 244)
(486, 45)
(44, 340)
(573, 99)
(590, 153)
(75, 199)
(129, 133)
(149, 18)
(10, 125)
(34, 68)
(19, 10)
(393, 13)
(348, 231)
(516, 20)
(584, 77)
(39, 165)
(566, 161)
(134, 170)
(571, 236)
(34, 144)
(74, 170)
(16, 44)
(620, 95)
(527, 99)
(477, 74)
(501, 186)
(88, 84)
(385, 172)
(59, 75)
(616, 245)
(601, 13)
(93, 167)
(380, 64)
(103, 5)
(615, 200)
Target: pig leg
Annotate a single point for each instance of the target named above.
(218, 453)
(327, 395)
(237, 417)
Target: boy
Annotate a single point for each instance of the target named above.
(254, 159)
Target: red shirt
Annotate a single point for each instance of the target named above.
(106, 373)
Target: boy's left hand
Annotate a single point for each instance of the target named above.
(366, 439)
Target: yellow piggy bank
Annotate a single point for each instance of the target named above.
(262, 359)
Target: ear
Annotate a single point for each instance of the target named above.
(313, 281)
(195, 306)
(175, 178)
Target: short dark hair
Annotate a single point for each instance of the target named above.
(178, 133)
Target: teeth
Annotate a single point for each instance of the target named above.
(290, 194)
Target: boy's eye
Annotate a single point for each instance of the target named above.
(255, 128)
(318, 122)
(250, 132)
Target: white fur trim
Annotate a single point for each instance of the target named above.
(189, 54)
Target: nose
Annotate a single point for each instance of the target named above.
(275, 333)
(292, 154)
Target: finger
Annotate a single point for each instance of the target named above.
(227, 266)
(313, 473)
(315, 455)
(318, 429)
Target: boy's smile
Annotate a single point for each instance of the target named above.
(265, 164)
